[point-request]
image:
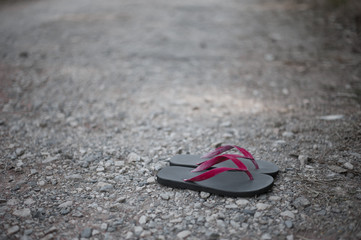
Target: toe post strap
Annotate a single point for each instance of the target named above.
(213, 161)
(222, 149)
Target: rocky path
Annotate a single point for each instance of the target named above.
(96, 96)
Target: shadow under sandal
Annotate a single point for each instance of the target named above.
(232, 182)
(260, 166)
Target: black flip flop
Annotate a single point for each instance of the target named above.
(193, 161)
(232, 182)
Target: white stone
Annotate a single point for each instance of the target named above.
(142, 219)
(303, 160)
(348, 165)
(138, 230)
(242, 202)
(133, 157)
(287, 134)
(41, 183)
(231, 206)
(274, 198)
(266, 236)
(183, 234)
(262, 206)
(151, 180)
(119, 163)
(12, 202)
(331, 117)
(66, 204)
(257, 214)
(29, 201)
(13, 229)
(22, 213)
(104, 226)
(164, 196)
(129, 235)
(288, 214)
(204, 195)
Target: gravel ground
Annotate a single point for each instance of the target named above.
(96, 96)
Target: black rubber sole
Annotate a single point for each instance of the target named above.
(192, 160)
(230, 184)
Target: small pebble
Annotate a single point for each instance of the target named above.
(138, 230)
(288, 213)
(348, 165)
(66, 204)
(266, 236)
(204, 195)
(86, 233)
(22, 213)
(184, 234)
(164, 196)
(262, 206)
(104, 226)
(13, 229)
(242, 202)
(288, 224)
(142, 220)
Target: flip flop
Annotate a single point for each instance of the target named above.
(260, 166)
(231, 182)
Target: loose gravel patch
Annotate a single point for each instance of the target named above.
(96, 97)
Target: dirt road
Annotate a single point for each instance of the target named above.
(97, 96)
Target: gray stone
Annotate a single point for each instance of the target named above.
(65, 211)
(184, 234)
(74, 177)
(164, 196)
(249, 211)
(331, 117)
(121, 200)
(266, 236)
(142, 220)
(274, 198)
(13, 230)
(337, 169)
(77, 214)
(204, 195)
(51, 230)
(301, 202)
(288, 224)
(133, 157)
(106, 188)
(24, 213)
(348, 165)
(287, 134)
(262, 206)
(242, 202)
(50, 159)
(288, 213)
(138, 230)
(104, 226)
(86, 233)
(303, 160)
(66, 204)
(19, 151)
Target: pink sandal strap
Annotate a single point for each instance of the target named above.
(246, 154)
(213, 172)
(209, 163)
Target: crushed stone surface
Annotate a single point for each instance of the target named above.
(97, 96)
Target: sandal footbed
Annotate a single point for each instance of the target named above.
(230, 183)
